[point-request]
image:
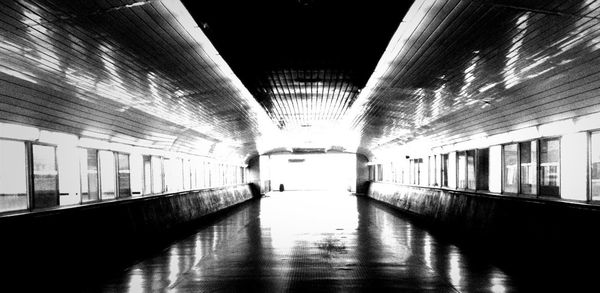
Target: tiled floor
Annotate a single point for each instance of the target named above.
(311, 242)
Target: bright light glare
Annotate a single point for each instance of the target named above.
(454, 269)
(312, 171)
(286, 216)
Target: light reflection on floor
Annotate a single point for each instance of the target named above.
(307, 242)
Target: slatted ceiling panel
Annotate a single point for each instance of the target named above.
(549, 93)
(306, 97)
(105, 65)
(453, 71)
(156, 39)
(78, 109)
(26, 103)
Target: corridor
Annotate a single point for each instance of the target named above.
(310, 242)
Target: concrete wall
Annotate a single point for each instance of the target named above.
(561, 235)
(96, 238)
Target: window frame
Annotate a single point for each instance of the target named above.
(115, 177)
(29, 145)
(590, 150)
(118, 178)
(539, 167)
(28, 152)
(81, 201)
(478, 175)
(458, 155)
(538, 192)
(444, 158)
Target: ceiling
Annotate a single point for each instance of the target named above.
(224, 78)
(303, 60)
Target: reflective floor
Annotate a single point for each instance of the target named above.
(311, 242)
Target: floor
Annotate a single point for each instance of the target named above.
(310, 242)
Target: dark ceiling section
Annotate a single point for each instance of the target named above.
(303, 60)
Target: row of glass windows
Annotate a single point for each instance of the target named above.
(29, 175)
(528, 167)
(522, 162)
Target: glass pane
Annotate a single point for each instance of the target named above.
(147, 175)
(528, 167)
(89, 175)
(422, 173)
(124, 175)
(13, 176)
(45, 176)
(444, 170)
(471, 170)
(549, 167)
(462, 170)
(157, 175)
(510, 175)
(108, 175)
(432, 171)
(483, 162)
(595, 166)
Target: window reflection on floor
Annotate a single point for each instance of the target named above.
(294, 241)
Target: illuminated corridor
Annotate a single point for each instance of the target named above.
(299, 145)
(311, 241)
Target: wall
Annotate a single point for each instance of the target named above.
(529, 232)
(362, 174)
(254, 175)
(90, 240)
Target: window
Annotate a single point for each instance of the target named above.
(379, 172)
(549, 167)
(13, 176)
(444, 170)
(147, 163)
(462, 170)
(595, 166)
(88, 164)
(45, 176)
(124, 175)
(483, 169)
(417, 167)
(528, 162)
(432, 170)
(510, 173)
(157, 175)
(467, 173)
(532, 157)
(471, 170)
(108, 176)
